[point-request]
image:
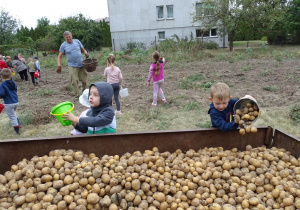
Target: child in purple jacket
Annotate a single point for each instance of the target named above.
(157, 72)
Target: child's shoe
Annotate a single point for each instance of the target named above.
(154, 105)
(118, 112)
(164, 100)
(17, 129)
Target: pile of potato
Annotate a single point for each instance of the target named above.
(245, 117)
(210, 178)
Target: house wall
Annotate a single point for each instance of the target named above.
(136, 21)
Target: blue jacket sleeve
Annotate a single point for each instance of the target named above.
(105, 117)
(2, 91)
(218, 121)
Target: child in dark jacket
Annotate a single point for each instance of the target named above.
(8, 91)
(221, 108)
(100, 118)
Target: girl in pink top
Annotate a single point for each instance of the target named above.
(114, 77)
(157, 72)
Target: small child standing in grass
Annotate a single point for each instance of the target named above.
(157, 72)
(8, 91)
(31, 70)
(114, 77)
(37, 65)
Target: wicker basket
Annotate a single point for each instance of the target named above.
(90, 64)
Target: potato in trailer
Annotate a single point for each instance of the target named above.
(156, 170)
(13, 151)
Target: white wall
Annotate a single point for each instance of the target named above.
(136, 21)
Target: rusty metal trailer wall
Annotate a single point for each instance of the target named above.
(13, 151)
(290, 143)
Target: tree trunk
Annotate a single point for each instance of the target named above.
(231, 43)
(247, 38)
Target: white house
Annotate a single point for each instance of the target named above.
(150, 21)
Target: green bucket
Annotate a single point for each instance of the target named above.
(60, 109)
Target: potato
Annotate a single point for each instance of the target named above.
(105, 178)
(215, 206)
(253, 130)
(19, 200)
(136, 184)
(242, 131)
(68, 180)
(238, 112)
(251, 118)
(68, 199)
(246, 117)
(254, 201)
(93, 198)
(248, 129)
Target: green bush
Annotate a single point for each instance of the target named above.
(264, 38)
(130, 46)
(295, 113)
(264, 46)
(210, 45)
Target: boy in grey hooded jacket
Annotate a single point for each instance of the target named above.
(100, 118)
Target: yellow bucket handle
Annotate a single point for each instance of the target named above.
(63, 113)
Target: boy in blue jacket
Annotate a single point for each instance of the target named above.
(221, 109)
(101, 117)
(8, 91)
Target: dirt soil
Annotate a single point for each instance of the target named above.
(273, 84)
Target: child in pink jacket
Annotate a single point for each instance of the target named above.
(157, 72)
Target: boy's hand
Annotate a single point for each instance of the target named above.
(236, 119)
(87, 56)
(58, 70)
(71, 117)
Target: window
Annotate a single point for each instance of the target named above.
(207, 33)
(170, 11)
(198, 8)
(213, 32)
(200, 33)
(202, 9)
(160, 12)
(161, 35)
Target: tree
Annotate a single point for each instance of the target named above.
(22, 34)
(86, 30)
(105, 29)
(229, 16)
(8, 27)
(41, 29)
(293, 18)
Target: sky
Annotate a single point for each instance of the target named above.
(28, 12)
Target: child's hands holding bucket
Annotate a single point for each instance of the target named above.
(71, 117)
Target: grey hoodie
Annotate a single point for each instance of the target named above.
(101, 115)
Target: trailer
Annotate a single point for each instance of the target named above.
(13, 151)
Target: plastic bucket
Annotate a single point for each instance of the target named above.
(1, 107)
(242, 103)
(124, 92)
(59, 110)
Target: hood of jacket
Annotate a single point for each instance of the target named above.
(106, 93)
(10, 85)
